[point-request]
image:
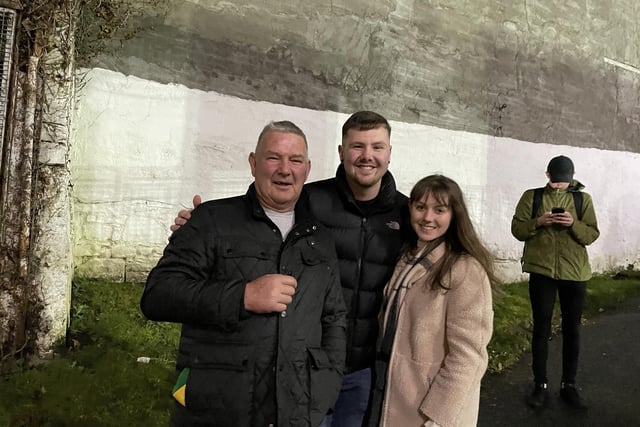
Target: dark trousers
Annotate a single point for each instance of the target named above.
(542, 293)
(352, 402)
(374, 413)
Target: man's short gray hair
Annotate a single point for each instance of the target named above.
(284, 126)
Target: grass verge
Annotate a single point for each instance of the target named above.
(96, 381)
(512, 313)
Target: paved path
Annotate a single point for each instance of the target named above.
(608, 374)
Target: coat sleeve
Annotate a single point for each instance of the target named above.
(468, 330)
(181, 288)
(334, 323)
(523, 227)
(585, 231)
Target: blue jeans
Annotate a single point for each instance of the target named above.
(352, 402)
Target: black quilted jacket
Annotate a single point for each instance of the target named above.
(245, 365)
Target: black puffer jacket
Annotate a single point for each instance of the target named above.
(368, 247)
(236, 358)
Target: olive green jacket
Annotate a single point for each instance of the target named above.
(556, 251)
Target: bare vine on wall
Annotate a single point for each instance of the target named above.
(100, 25)
(104, 25)
(52, 37)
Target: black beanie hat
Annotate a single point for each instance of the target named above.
(560, 169)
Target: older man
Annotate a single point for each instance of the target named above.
(254, 280)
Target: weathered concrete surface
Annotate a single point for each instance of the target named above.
(530, 70)
(482, 91)
(142, 149)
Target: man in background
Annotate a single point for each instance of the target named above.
(555, 223)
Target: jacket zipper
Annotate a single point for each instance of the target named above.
(355, 303)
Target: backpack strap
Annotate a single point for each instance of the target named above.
(577, 203)
(537, 202)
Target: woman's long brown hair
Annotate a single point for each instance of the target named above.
(460, 238)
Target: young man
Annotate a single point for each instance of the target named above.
(556, 228)
(254, 281)
(368, 218)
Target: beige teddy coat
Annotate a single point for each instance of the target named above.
(439, 352)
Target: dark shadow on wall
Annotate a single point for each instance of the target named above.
(514, 74)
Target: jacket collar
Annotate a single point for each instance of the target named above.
(302, 210)
(386, 198)
(574, 186)
(420, 269)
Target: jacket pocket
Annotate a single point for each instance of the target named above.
(311, 257)
(324, 383)
(312, 266)
(243, 249)
(220, 381)
(313, 263)
(244, 259)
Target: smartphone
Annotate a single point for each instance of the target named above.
(557, 210)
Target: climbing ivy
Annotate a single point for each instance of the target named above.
(89, 27)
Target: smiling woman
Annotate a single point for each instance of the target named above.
(430, 217)
(438, 317)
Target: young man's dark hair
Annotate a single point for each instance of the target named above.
(365, 120)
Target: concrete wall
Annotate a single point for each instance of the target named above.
(143, 148)
(532, 70)
(483, 91)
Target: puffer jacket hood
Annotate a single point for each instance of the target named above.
(574, 185)
(387, 196)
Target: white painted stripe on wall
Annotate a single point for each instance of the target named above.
(142, 149)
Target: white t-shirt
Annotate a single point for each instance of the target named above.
(283, 220)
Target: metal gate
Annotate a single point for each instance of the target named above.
(7, 36)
